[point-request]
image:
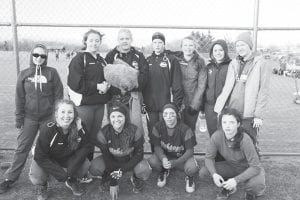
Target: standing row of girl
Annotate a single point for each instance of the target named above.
(165, 77)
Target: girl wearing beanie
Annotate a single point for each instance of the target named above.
(121, 144)
(216, 76)
(38, 88)
(246, 86)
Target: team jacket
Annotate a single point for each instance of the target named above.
(135, 59)
(216, 76)
(36, 93)
(165, 80)
(194, 78)
(85, 72)
(129, 143)
(52, 153)
(174, 142)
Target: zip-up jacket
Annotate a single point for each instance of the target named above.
(216, 76)
(165, 82)
(53, 154)
(37, 89)
(135, 59)
(194, 78)
(85, 72)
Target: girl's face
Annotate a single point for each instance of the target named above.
(218, 53)
(117, 120)
(188, 47)
(39, 56)
(93, 42)
(158, 46)
(170, 117)
(242, 48)
(64, 115)
(229, 126)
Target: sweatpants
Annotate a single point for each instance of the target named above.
(255, 185)
(190, 167)
(25, 140)
(211, 118)
(39, 177)
(142, 170)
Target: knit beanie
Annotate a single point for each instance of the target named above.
(119, 108)
(159, 35)
(245, 37)
(169, 105)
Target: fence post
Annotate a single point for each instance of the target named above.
(15, 34)
(255, 24)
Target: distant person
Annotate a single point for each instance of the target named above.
(173, 143)
(38, 88)
(135, 59)
(56, 55)
(121, 144)
(88, 88)
(241, 165)
(165, 81)
(61, 151)
(216, 76)
(194, 78)
(246, 86)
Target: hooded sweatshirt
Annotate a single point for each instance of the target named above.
(216, 74)
(37, 89)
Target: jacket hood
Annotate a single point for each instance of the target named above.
(223, 44)
(31, 64)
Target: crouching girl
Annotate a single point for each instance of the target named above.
(173, 144)
(241, 165)
(121, 144)
(61, 151)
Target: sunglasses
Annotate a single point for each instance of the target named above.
(36, 55)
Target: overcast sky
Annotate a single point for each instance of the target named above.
(273, 13)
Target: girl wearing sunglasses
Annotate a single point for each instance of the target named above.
(38, 88)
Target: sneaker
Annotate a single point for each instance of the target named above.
(224, 194)
(189, 184)
(137, 184)
(162, 178)
(5, 185)
(42, 193)
(73, 185)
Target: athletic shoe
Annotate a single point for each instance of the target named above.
(42, 193)
(162, 178)
(74, 186)
(189, 184)
(5, 185)
(137, 184)
(224, 194)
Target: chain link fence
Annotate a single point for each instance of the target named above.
(61, 24)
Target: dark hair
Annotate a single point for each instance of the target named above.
(240, 130)
(86, 35)
(72, 131)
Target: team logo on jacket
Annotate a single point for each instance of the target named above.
(210, 71)
(38, 78)
(163, 64)
(135, 64)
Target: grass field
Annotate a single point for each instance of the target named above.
(280, 133)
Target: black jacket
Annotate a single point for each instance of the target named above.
(164, 78)
(83, 78)
(52, 153)
(135, 59)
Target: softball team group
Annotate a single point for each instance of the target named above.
(172, 88)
